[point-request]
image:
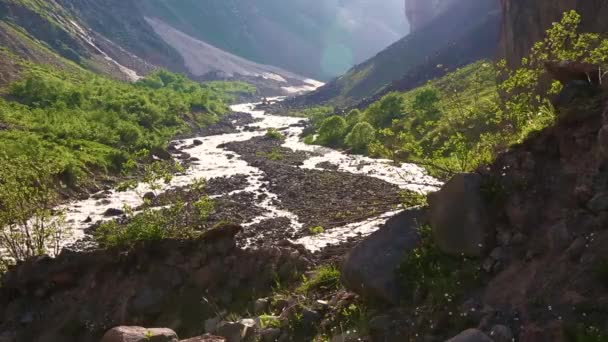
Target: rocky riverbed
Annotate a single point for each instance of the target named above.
(278, 189)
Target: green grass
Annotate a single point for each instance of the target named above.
(325, 277)
(89, 124)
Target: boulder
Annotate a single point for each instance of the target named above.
(569, 71)
(205, 338)
(149, 196)
(197, 142)
(501, 333)
(113, 212)
(160, 153)
(270, 334)
(457, 216)
(369, 269)
(260, 306)
(602, 142)
(139, 334)
(471, 335)
(599, 203)
(243, 330)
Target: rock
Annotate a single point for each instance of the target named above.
(197, 142)
(501, 333)
(602, 142)
(139, 334)
(160, 153)
(497, 253)
(88, 220)
(349, 336)
(457, 216)
(310, 317)
(184, 156)
(270, 335)
(243, 330)
(599, 203)
(470, 335)
(205, 338)
(569, 71)
(260, 306)
(577, 248)
(149, 196)
(113, 212)
(211, 324)
(369, 269)
(380, 324)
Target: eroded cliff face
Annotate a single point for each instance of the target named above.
(525, 22)
(421, 12)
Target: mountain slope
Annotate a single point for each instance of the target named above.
(318, 38)
(526, 21)
(117, 39)
(470, 22)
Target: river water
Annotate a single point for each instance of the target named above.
(217, 162)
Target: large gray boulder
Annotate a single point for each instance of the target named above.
(471, 335)
(139, 334)
(458, 216)
(370, 268)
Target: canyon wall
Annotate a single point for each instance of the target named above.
(525, 21)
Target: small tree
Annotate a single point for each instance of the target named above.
(360, 137)
(353, 118)
(332, 131)
(28, 224)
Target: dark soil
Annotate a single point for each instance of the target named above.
(319, 198)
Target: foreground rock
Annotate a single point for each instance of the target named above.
(177, 284)
(471, 335)
(370, 269)
(458, 216)
(139, 334)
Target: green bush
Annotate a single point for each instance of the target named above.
(325, 277)
(149, 225)
(84, 123)
(274, 133)
(360, 137)
(332, 131)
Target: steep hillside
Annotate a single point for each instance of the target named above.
(471, 23)
(116, 38)
(317, 38)
(421, 12)
(526, 21)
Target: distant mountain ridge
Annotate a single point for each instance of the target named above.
(467, 31)
(115, 38)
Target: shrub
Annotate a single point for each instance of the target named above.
(149, 225)
(332, 131)
(317, 230)
(28, 224)
(273, 133)
(360, 137)
(437, 277)
(325, 277)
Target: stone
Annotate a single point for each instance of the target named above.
(599, 203)
(270, 335)
(497, 253)
(243, 330)
(577, 248)
(501, 333)
(369, 269)
(457, 216)
(260, 306)
(139, 334)
(149, 196)
(197, 142)
(113, 212)
(211, 324)
(380, 324)
(602, 142)
(310, 317)
(205, 338)
(471, 335)
(160, 153)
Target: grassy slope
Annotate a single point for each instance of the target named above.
(88, 124)
(469, 20)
